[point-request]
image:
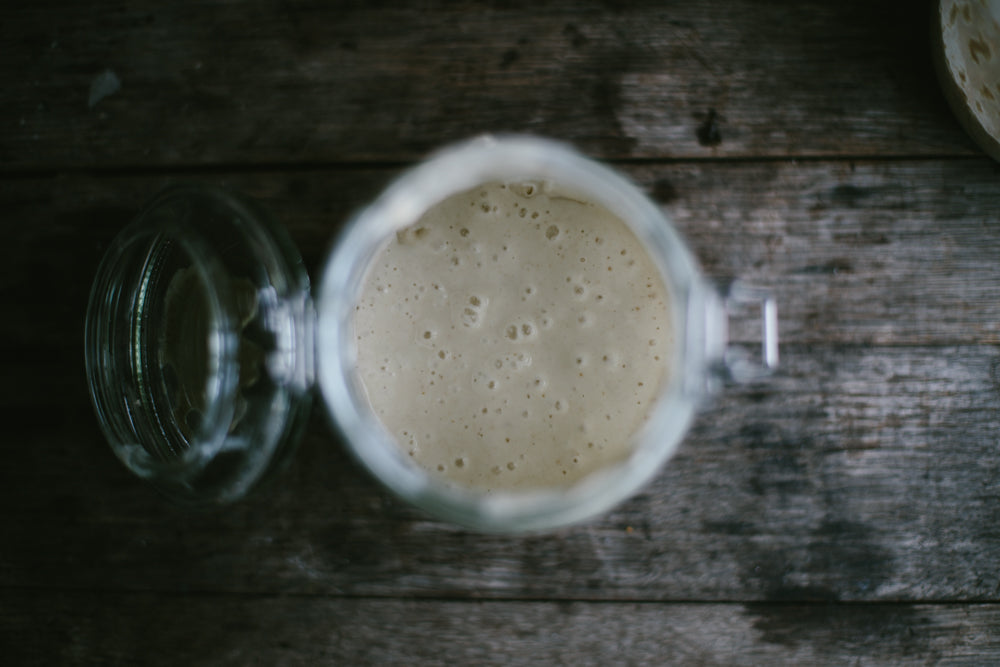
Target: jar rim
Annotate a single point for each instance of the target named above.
(456, 169)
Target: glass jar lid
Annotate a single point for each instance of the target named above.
(198, 345)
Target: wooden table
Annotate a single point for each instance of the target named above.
(848, 511)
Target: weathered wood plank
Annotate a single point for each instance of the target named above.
(858, 474)
(873, 252)
(96, 628)
(862, 473)
(284, 82)
(869, 252)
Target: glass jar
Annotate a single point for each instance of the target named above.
(138, 420)
(700, 357)
(198, 345)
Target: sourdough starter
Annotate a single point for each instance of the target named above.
(515, 337)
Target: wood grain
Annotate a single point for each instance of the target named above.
(845, 512)
(858, 474)
(290, 81)
(899, 253)
(239, 630)
(861, 473)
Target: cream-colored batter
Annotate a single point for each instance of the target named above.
(514, 337)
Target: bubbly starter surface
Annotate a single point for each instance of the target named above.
(513, 338)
